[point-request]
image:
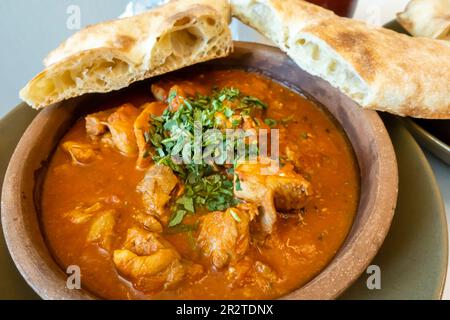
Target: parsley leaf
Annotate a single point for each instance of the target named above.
(177, 218)
(271, 122)
(235, 215)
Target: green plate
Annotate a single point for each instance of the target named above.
(413, 259)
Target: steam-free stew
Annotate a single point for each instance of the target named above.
(254, 209)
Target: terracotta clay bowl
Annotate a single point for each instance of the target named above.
(365, 130)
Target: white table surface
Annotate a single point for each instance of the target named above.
(31, 28)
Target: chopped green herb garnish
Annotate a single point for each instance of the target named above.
(235, 215)
(271, 122)
(187, 203)
(177, 217)
(228, 112)
(237, 122)
(182, 228)
(200, 164)
(172, 96)
(255, 102)
(248, 104)
(238, 183)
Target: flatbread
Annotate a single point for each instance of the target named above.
(427, 18)
(112, 55)
(378, 68)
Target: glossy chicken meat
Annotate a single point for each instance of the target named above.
(156, 271)
(157, 189)
(247, 272)
(121, 126)
(272, 188)
(143, 242)
(101, 223)
(81, 154)
(101, 231)
(115, 128)
(225, 236)
(96, 123)
(151, 262)
(148, 222)
(83, 213)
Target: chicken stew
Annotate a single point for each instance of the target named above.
(128, 200)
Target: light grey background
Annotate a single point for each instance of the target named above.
(29, 29)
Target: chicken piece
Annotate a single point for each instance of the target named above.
(96, 123)
(271, 188)
(148, 221)
(224, 236)
(143, 242)
(131, 265)
(149, 261)
(106, 140)
(265, 272)
(157, 188)
(81, 153)
(82, 214)
(142, 127)
(178, 94)
(246, 273)
(115, 128)
(159, 93)
(161, 269)
(168, 279)
(121, 126)
(101, 231)
(194, 271)
(238, 271)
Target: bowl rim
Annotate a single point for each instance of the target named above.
(329, 283)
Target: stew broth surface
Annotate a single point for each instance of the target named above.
(302, 243)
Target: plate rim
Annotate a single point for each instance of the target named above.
(443, 215)
(435, 192)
